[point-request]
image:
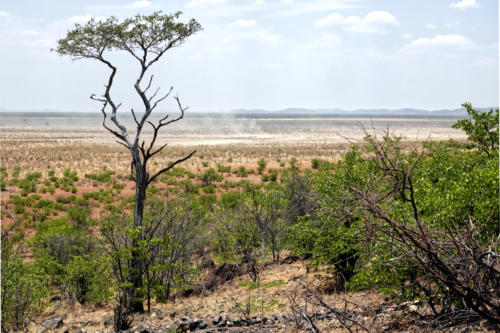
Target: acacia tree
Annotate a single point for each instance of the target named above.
(146, 39)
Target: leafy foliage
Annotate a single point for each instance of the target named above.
(24, 292)
(482, 129)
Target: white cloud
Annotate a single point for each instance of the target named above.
(261, 36)
(463, 4)
(82, 19)
(29, 33)
(326, 41)
(486, 62)
(326, 44)
(303, 7)
(244, 23)
(4, 14)
(407, 36)
(139, 4)
(198, 3)
(430, 26)
(336, 19)
(376, 21)
(426, 43)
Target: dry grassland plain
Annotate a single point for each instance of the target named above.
(50, 151)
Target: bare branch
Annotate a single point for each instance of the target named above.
(149, 84)
(135, 118)
(161, 99)
(170, 166)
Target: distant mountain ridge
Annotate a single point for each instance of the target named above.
(460, 112)
(378, 112)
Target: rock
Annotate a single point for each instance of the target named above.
(108, 322)
(321, 316)
(203, 325)
(194, 324)
(183, 326)
(53, 323)
(140, 328)
(413, 308)
(157, 313)
(274, 317)
(238, 322)
(41, 329)
(217, 320)
(285, 317)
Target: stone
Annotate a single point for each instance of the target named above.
(173, 314)
(321, 316)
(217, 320)
(413, 308)
(141, 329)
(194, 324)
(53, 323)
(183, 326)
(41, 329)
(108, 322)
(203, 325)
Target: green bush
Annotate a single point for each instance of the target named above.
(209, 177)
(261, 166)
(242, 172)
(221, 168)
(24, 293)
(104, 176)
(60, 248)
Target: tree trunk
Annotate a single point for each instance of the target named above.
(136, 264)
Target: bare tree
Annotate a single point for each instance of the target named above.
(146, 39)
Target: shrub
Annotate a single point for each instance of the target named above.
(104, 176)
(242, 172)
(261, 166)
(320, 164)
(68, 254)
(23, 291)
(221, 168)
(210, 176)
(481, 129)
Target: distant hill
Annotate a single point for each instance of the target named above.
(405, 112)
(334, 112)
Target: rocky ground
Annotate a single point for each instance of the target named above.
(284, 302)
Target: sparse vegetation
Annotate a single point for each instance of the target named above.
(354, 224)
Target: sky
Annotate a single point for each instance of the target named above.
(266, 54)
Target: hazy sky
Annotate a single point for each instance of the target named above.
(269, 54)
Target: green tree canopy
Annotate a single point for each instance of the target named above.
(482, 128)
